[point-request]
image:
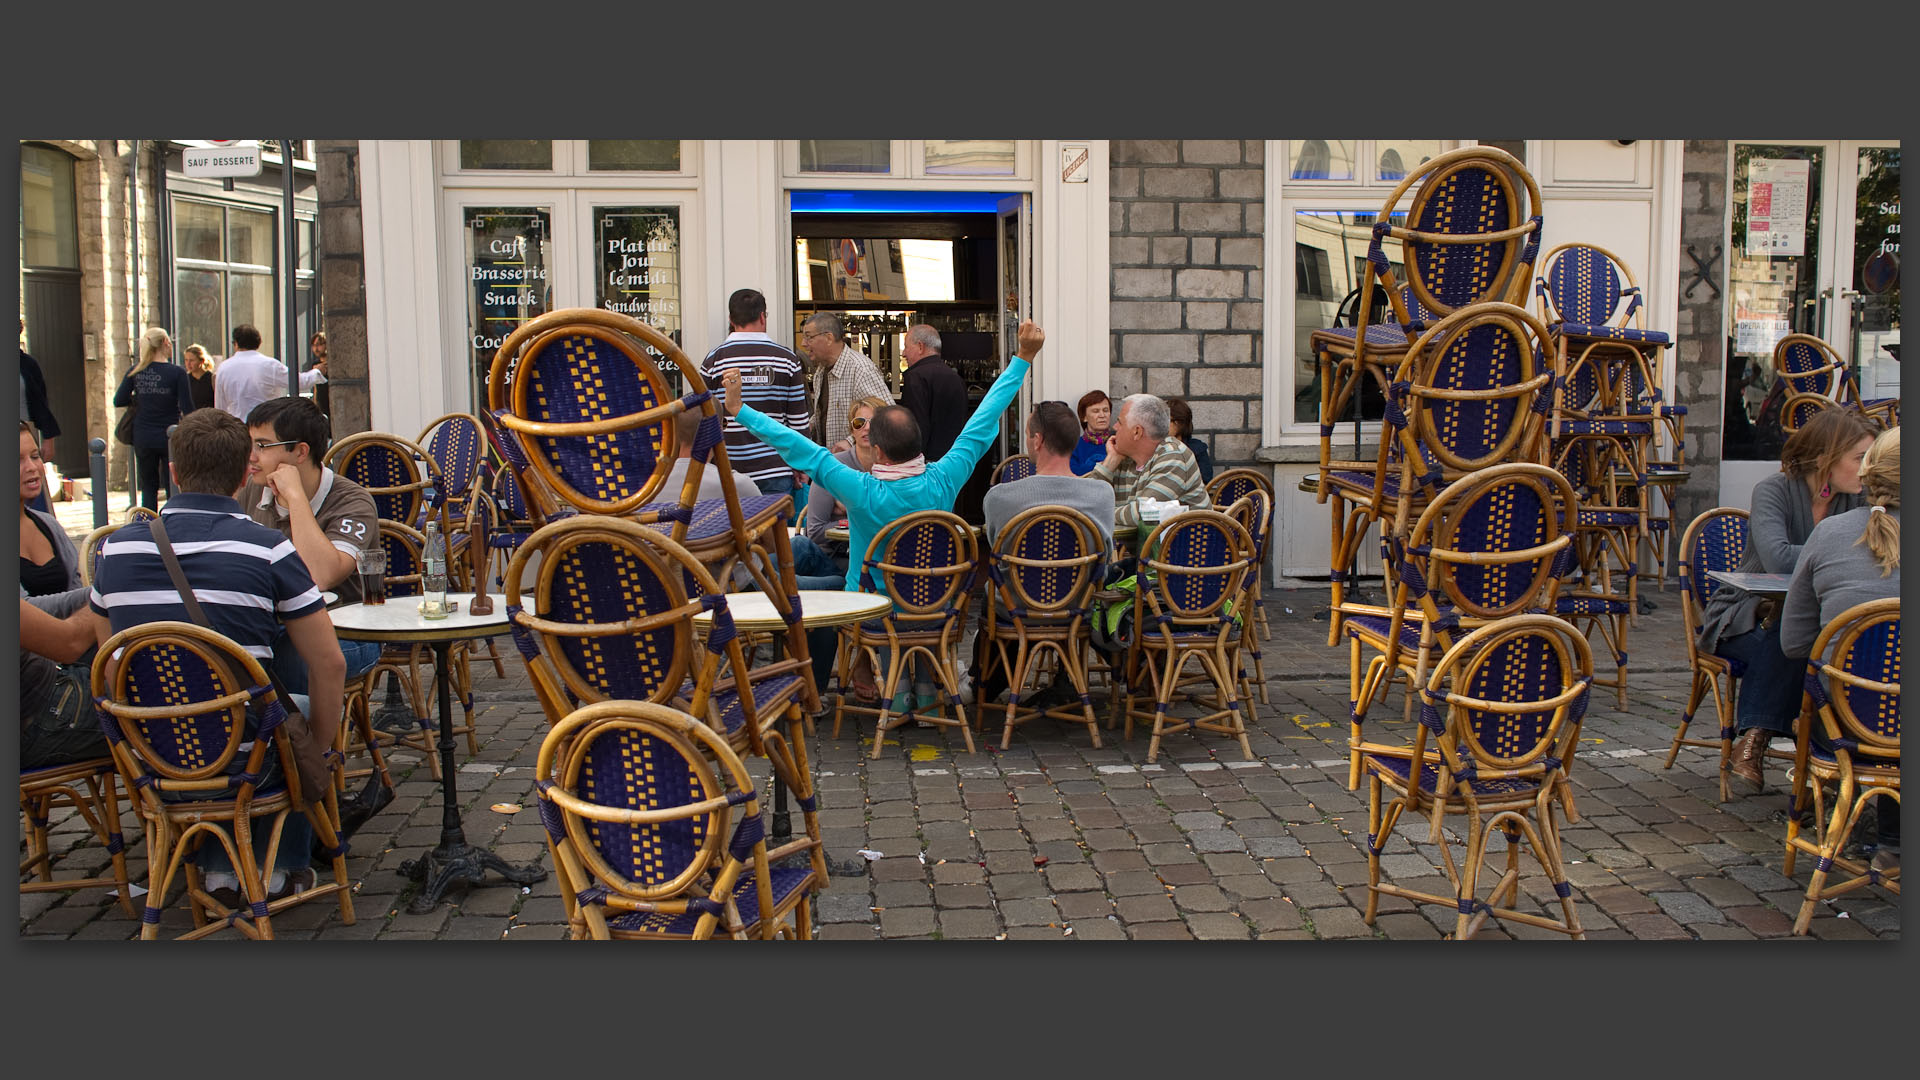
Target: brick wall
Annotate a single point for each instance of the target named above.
(343, 292)
(1700, 344)
(1187, 225)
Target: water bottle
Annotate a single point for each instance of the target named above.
(433, 580)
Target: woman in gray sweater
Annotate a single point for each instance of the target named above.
(1819, 477)
(1849, 559)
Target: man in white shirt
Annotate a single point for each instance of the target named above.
(249, 376)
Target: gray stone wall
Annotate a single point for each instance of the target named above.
(1699, 380)
(1187, 225)
(343, 291)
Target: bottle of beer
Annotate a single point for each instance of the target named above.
(433, 578)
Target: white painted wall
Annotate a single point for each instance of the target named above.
(408, 363)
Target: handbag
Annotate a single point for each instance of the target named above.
(123, 427)
(314, 762)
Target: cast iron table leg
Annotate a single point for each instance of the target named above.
(455, 861)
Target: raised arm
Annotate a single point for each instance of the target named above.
(794, 448)
(957, 463)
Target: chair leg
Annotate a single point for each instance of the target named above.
(1831, 842)
(1375, 842)
(1076, 671)
(894, 665)
(1469, 878)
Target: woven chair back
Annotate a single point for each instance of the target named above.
(1017, 467)
(90, 552)
(459, 449)
(1808, 365)
(645, 795)
(1800, 408)
(1858, 685)
(925, 562)
(406, 557)
(178, 700)
(1505, 696)
(1198, 563)
(586, 413)
(1492, 544)
(1046, 563)
(515, 514)
(1586, 285)
(1716, 540)
(1472, 389)
(1473, 230)
(1254, 511)
(1232, 485)
(611, 610)
(405, 483)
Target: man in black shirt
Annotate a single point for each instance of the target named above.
(933, 392)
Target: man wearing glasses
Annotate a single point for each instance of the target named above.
(842, 376)
(329, 518)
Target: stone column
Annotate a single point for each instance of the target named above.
(1699, 372)
(343, 293)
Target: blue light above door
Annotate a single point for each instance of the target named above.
(896, 202)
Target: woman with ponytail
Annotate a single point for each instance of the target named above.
(1819, 478)
(1852, 558)
(160, 393)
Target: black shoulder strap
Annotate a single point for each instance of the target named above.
(197, 614)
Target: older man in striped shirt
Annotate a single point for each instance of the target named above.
(1145, 460)
(249, 581)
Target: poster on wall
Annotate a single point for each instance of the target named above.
(639, 248)
(1777, 207)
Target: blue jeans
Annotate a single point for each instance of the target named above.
(813, 568)
(296, 836)
(1769, 696)
(360, 656)
(783, 485)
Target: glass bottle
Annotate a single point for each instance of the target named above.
(433, 578)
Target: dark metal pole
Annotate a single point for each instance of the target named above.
(290, 352)
(97, 479)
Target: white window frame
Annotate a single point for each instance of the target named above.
(907, 160)
(569, 162)
(224, 267)
(1284, 196)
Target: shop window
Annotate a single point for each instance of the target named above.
(633, 155)
(1318, 159)
(969, 157)
(1399, 157)
(48, 231)
(225, 259)
(506, 154)
(846, 156)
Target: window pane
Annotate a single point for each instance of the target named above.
(506, 153)
(1876, 270)
(199, 316)
(1396, 158)
(303, 229)
(845, 155)
(250, 237)
(639, 251)
(250, 300)
(1321, 159)
(49, 234)
(969, 157)
(633, 155)
(1330, 259)
(1516, 147)
(196, 230)
(927, 266)
(507, 278)
(1773, 279)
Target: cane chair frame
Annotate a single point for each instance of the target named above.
(174, 828)
(1229, 487)
(1515, 790)
(1865, 761)
(731, 863)
(463, 471)
(1170, 629)
(89, 788)
(418, 498)
(1013, 467)
(1609, 532)
(1712, 674)
(928, 619)
(1254, 512)
(1828, 377)
(1432, 563)
(1802, 407)
(1053, 617)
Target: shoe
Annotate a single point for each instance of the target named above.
(1749, 750)
(297, 882)
(1886, 861)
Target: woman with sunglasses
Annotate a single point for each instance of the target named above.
(824, 510)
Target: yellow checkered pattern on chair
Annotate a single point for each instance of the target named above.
(1508, 738)
(165, 661)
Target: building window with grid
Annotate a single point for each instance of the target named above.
(224, 273)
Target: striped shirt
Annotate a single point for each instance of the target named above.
(854, 376)
(246, 576)
(1171, 475)
(770, 382)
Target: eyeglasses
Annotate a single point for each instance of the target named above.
(857, 423)
(262, 444)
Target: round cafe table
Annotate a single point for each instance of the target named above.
(754, 611)
(843, 534)
(398, 621)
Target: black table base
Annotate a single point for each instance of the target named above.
(455, 861)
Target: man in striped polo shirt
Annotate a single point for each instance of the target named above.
(1145, 460)
(249, 581)
(771, 382)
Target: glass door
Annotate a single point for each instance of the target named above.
(635, 262)
(507, 276)
(1866, 311)
(1016, 304)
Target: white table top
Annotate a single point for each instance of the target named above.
(399, 620)
(818, 607)
(1758, 584)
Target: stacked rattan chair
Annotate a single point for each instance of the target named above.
(639, 802)
(1853, 698)
(1811, 369)
(1503, 709)
(926, 563)
(1471, 237)
(1044, 567)
(174, 702)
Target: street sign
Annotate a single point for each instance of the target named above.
(236, 158)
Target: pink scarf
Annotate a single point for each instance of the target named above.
(913, 467)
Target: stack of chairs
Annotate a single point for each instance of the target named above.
(1816, 378)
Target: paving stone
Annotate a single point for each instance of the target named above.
(968, 924)
(1072, 878)
(1315, 894)
(1083, 905)
(1159, 931)
(1019, 886)
(1136, 909)
(1339, 922)
(961, 896)
(1200, 898)
(1098, 930)
(1291, 871)
(1218, 927)
(1216, 840)
(1035, 911)
(1722, 893)
(1275, 847)
(907, 922)
(1189, 873)
(1135, 883)
(1654, 927)
(834, 906)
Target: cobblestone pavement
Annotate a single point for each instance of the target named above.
(1054, 840)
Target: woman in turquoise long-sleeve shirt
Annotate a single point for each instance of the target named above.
(873, 504)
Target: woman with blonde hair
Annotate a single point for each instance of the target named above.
(1849, 559)
(200, 370)
(160, 393)
(1819, 478)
